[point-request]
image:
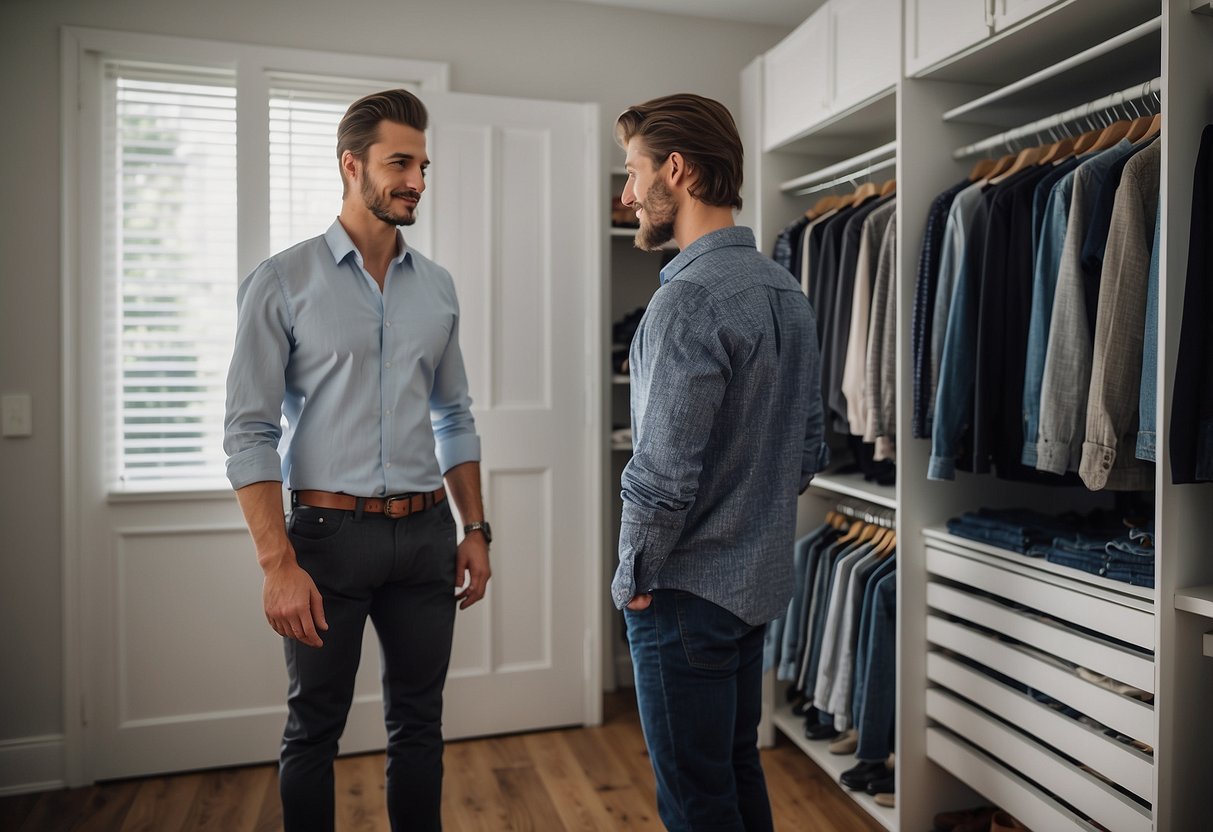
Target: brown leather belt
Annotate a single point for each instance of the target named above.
(401, 505)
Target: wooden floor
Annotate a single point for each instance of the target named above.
(576, 779)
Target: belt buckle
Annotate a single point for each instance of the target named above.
(407, 499)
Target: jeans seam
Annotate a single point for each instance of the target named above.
(669, 725)
(682, 639)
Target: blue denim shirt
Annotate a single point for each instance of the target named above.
(727, 425)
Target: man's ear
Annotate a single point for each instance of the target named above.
(679, 172)
(349, 166)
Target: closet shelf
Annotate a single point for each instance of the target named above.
(854, 485)
(833, 765)
(866, 124)
(1038, 42)
(1112, 64)
(842, 171)
(1138, 597)
(1197, 599)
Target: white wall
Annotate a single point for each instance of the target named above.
(522, 48)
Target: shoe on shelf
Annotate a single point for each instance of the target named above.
(857, 778)
(819, 730)
(882, 785)
(846, 743)
(887, 800)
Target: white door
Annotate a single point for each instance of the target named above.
(177, 667)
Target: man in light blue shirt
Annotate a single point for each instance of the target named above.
(354, 338)
(727, 423)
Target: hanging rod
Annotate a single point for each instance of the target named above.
(843, 171)
(1110, 45)
(870, 514)
(1107, 102)
(850, 177)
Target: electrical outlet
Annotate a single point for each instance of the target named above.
(15, 416)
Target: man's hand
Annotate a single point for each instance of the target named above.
(472, 570)
(640, 602)
(293, 605)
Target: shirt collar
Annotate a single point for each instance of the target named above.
(341, 245)
(735, 235)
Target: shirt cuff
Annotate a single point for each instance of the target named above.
(1146, 446)
(941, 468)
(1097, 461)
(1052, 456)
(457, 450)
(259, 463)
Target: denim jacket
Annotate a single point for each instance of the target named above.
(727, 425)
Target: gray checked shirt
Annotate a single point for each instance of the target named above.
(727, 428)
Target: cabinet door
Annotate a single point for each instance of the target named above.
(863, 46)
(796, 82)
(1009, 12)
(938, 29)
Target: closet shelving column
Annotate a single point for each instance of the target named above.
(783, 181)
(1071, 55)
(1184, 517)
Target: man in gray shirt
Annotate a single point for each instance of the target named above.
(727, 426)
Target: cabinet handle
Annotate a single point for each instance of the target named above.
(989, 14)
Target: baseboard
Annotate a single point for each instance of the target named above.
(32, 764)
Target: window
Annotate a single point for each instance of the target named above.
(184, 188)
(172, 245)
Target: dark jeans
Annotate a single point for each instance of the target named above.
(699, 689)
(400, 573)
(875, 718)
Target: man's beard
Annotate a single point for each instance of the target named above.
(381, 208)
(660, 211)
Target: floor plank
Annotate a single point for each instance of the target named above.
(577, 780)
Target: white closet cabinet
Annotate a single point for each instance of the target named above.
(938, 29)
(796, 84)
(1009, 12)
(964, 734)
(863, 49)
(841, 56)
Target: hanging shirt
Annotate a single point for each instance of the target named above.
(881, 369)
(854, 376)
(1148, 397)
(1114, 395)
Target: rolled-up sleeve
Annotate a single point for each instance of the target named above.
(256, 380)
(689, 371)
(455, 437)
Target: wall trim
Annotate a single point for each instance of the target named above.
(32, 764)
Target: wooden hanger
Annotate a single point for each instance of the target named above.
(869, 533)
(1027, 157)
(1002, 164)
(853, 532)
(1058, 151)
(980, 169)
(823, 206)
(889, 187)
(888, 545)
(1155, 127)
(1111, 134)
(864, 191)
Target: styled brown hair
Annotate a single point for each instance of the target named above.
(702, 130)
(359, 127)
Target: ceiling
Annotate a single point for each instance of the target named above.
(787, 13)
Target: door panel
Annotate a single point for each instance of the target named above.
(865, 49)
(796, 81)
(938, 29)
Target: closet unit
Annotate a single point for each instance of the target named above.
(988, 639)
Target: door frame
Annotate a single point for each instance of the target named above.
(79, 230)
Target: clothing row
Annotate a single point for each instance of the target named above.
(836, 644)
(1035, 322)
(1101, 543)
(845, 258)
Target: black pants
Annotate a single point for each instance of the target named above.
(402, 574)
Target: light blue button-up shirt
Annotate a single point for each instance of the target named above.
(727, 422)
(372, 384)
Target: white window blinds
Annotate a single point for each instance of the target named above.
(171, 233)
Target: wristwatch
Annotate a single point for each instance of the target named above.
(481, 526)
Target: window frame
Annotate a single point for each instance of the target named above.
(88, 389)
